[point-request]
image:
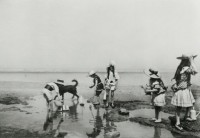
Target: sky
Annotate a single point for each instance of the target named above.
(80, 35)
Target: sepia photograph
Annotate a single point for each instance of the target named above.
(99, 69)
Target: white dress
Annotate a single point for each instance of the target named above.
(52, 94)
(183, 96)
(112, 80)
(159, 97)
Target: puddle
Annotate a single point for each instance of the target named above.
(148, 113)
(80, 122)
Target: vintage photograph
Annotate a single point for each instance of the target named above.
(99, 69)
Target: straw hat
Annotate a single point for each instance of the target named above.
(60, 81)
(92, 72)
(186, 56)
(152, 73)
(184, 69)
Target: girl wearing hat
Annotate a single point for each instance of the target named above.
(51, 95)
(182, 92)
(112, 78)
(99, 86)
(156, 89)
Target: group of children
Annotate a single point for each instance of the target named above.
(182, 89)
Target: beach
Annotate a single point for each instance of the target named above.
(23, 109)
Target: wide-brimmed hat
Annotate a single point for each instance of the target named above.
(186, 56)
(60, 81)
(152, 73)
(184, 69)
(92, 72)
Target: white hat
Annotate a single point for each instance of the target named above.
(60, 81)
(92, 72)
(184, 69)
(112, 63)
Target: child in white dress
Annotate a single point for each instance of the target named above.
(157, 90)
(111, 82)
(182, 92)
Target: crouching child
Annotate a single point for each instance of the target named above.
(52, 97)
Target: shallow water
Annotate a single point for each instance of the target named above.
(79, 121)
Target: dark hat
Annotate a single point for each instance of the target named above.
(186, 56)
(60, 81)
(152, 73)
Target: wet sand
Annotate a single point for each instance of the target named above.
(25, 115)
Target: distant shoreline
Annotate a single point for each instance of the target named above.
(73, 72)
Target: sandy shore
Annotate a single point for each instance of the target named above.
(23, 113)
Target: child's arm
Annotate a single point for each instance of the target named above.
(149, 90)
(94, 83)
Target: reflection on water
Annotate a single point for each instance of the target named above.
(110, 129)
(96, 122)
(157, 132)
(73, 114)
(73, 124)
(101, 123)
(50, 122)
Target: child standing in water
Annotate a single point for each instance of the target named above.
(182, 88)
(157, 90)
(99, 86)
(111, 82)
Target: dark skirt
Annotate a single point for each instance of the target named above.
(99, 89)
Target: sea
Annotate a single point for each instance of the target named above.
(33, 82)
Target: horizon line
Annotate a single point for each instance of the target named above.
(70, 71)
